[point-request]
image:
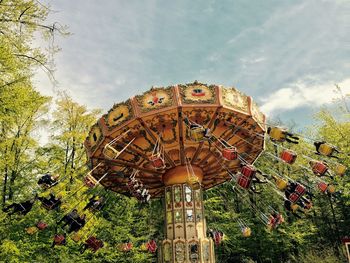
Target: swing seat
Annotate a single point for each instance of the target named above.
(300, 189)
(322, 186)
(157, 161)
(294, 197)
(41, 225)
(143, 247)
(319, 168)
(340, 169)
(59, 239)
(217, 237)
(331, 189)
(281, 184)
(243, 182)
(288, 156)
(76, 237)
(90, 181)
(326, 149)
(126, 247)
(197, 134)
(277, 134)
(193, 182)
(294, 207)
(230, 153)
(152, 246)
(93, 243)
(248, 171)
(110, 153)
(31, 230)
(246, 232)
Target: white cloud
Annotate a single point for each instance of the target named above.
(300, 95)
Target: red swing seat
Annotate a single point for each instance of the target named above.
(157, 161)
(288, 156)
(322, 186)
(41, 225)
(230, 153)
(248, 171)
(243, 181)
(59, 239)
(93, 243)
(319, 168)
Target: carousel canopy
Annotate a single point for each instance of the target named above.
(134, 132)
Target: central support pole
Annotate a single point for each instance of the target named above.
(185, 227)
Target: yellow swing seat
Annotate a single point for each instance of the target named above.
(76, 237)
(294, 207)
(246, 232)
(31, 230)
(193, 182)
(281, 184)
(340, 169)
(331, 189)
(110, 153)
(197, 134)
(277, 134)
(326, 149)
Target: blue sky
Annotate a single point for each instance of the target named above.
(286, 54)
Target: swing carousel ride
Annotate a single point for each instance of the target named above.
(176, 142)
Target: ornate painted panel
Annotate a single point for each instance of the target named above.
(233, 98)
(197, 93)
(119, 114)
(180, 251)
(156, 98)
(95, 137)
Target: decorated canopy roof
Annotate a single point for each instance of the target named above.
(160, 112)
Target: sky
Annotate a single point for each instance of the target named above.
(287, 55)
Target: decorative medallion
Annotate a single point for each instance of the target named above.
(156, 98)
(197, 93)
(118, 114)
(235, 99)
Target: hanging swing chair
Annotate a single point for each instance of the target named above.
(322, 186)
(288, 156)
(93, 243)
(192, 179)
(281, 184)
(243, 181)
(246, 232)
(340, 169)
(319, 168)
(152, 246)
(59, 240)
(110, 152)
(277, 134)
(196, 131)
(76, 237)
(157, 157)
(41, 225)
(31, 230)
(91, 182)
(228, 151)
(326, 149)
(126, 247)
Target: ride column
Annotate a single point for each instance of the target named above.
(185, 228)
